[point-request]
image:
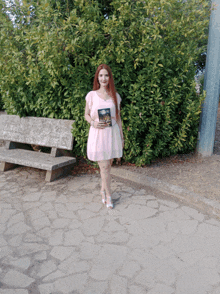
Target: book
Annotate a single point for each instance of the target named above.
(105, 116)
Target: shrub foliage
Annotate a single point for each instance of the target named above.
(1, 103)
(49, 56)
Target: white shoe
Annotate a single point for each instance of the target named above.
(103, 197)
(110, 205)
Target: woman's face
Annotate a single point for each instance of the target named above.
(103, 78)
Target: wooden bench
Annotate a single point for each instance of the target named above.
(18, 132)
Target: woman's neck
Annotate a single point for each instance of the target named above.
(103, 90)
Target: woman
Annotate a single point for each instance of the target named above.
(104, 142)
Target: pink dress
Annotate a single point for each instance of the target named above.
(103, 144)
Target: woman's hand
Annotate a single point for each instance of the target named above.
(99, 125)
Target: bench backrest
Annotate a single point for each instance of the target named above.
(37, 130)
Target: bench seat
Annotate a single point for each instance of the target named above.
(34, 159)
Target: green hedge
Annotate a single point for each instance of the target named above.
(1, 103)
(49, 59)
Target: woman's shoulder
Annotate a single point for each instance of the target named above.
(90, 94)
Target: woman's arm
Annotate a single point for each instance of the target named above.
(120, 128)
(119, 118)
(95, 124)
(87, 114)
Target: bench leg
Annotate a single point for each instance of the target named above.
(4, 166)
(54, 174)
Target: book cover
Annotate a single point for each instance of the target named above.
(105, 116)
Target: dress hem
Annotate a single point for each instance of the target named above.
(104, 158)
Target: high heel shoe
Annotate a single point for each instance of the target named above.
(109, 205)
(103, 197)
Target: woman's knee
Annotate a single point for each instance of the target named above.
(105, 165)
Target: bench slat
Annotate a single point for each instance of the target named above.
(34, 159)
(37, 130)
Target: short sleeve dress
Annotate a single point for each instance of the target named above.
(103, 144)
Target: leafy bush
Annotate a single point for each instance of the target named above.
(1, 103)
(50, 55)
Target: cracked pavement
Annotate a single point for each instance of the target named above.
(59, 238)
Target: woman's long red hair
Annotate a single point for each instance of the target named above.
(110, 87)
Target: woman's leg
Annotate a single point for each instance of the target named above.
(105, 167)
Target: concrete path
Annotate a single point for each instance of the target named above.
(58, 238)
(206, 201)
